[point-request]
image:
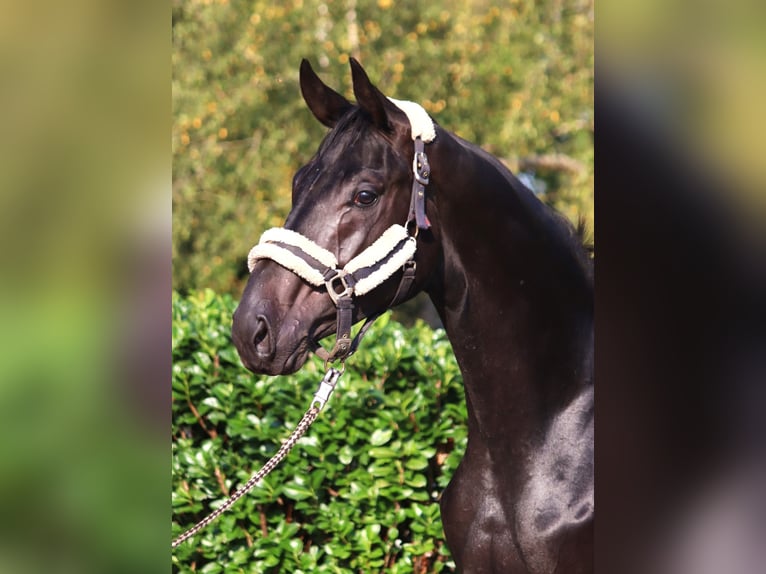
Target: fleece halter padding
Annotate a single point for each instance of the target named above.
(421, 124)
(269, 248)
(392, 251)
(318, 266)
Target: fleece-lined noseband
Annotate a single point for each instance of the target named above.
(392, 251)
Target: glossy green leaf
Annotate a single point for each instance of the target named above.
(380, 436)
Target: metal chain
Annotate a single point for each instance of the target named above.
(320, 399)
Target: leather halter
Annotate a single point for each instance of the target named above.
(393, 250)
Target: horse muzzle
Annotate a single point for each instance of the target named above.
(268, 344)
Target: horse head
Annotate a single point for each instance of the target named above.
(346, 203)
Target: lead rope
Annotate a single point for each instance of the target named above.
(321, 397)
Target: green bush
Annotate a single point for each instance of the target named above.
(359, 493)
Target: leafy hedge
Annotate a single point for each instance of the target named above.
(360, 491)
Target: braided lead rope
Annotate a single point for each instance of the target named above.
(326, 386)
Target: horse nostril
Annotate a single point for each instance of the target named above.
(262, 339)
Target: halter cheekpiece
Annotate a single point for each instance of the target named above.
(392, 251)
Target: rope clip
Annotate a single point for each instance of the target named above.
(326, 387)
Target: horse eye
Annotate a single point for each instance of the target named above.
(365, 198)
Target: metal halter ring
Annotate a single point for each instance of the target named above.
(346, 290)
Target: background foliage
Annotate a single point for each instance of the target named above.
(514, 77)
(357, 494)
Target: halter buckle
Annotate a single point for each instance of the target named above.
(421, 168)
(338, 286)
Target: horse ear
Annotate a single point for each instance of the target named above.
(369, 98)
(327, 105)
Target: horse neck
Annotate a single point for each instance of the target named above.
(514, 293)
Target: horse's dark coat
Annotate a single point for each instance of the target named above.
(513, 287)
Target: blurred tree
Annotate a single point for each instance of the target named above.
(516, 79)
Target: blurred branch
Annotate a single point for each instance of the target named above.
(548, 162)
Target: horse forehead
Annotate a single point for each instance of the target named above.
(357, 152)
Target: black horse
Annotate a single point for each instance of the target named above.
(513, 286)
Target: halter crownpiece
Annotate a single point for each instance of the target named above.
(423, 131)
